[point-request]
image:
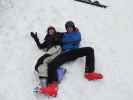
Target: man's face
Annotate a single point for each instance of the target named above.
(69, 29)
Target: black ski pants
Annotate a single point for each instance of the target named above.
(71, 55)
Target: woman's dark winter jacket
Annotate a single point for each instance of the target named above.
(49, 41)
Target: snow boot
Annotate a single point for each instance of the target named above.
(50, 90)
(93, 76)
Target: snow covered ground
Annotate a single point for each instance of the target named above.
(109, 31)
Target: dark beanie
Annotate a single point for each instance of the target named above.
(69, 24)
(51, 27)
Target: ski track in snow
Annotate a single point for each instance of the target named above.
(109, 31)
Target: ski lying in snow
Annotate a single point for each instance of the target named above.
(94, 3)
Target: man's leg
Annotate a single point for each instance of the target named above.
(51, 89)
(69, 56)
(88, 52)
(90, 64)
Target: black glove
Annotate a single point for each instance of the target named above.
(33, 35)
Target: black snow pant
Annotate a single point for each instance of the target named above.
(71, 55)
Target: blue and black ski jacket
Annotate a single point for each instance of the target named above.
(71, 41)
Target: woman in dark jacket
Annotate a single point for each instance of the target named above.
(52, 48)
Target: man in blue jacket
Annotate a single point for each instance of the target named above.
(71, 51)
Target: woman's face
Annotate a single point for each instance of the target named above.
(51, 31)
